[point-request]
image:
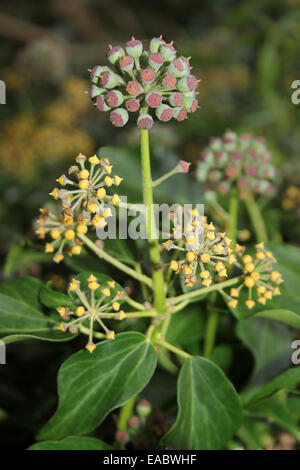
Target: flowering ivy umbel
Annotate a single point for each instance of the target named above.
(141, 80)
(241, 160)
(94, 304)
(83, 202)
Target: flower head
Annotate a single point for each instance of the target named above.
(154, 79)
(241, 160)
(291, 200)
(83, 201)
(259, 277)
(96, 300)
(206, 251)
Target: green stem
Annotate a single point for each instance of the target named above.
(210, 332)
(133, 303)
(172, 348)
(157, 274)
(110, 259)
(204, 290)
(233, 216)
(256, 218)
(125, 414)
(164, 177)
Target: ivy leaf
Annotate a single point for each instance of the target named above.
(92, 385)
(72, 443)
(289, 381)
(21, 256)
(209, 408)
(20, 315)
(53, 299)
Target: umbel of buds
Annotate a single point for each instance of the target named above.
(83, 202)
(241, 160)
(155, 82)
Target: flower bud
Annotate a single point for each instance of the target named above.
(168, 52)
(95, 91)
(183, 166)
(156, 60)
(145, 121)
(97, 71)
(114, 98)
(119, 117)
(148, 75)
(155, 44)
(164, 113)
(179, 113)
(126, 63)
(143, 408)
(115, 53)
(176, 99)
(134, 48)
(134, 422)
(178, 68)
(133, 88)
(121, 437)
(153, 99)
(170, 80)
(101, 105)
(132, 105)
(111, 79)
(189, 83)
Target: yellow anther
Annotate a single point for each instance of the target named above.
(69, 234)
(80, 311)
(115, 199)
(121, 315)
(117, 180)
(190, 256)
(108, 181)
(174, 265)
(49, 248)
(110, 335)
(255, 276)
(94, 160)
(83, 184)
(247, 259)
(84, 174)
(101, 193)
(204, 274)
(76, 249)
(105, 292)
(55, 234)
(234, 292)
(116, 306)
(61, 311)
(90, 347)
(81, 228)
(232, 303)
(92, 207)
(111, 284)
(207, 282)
(58, 257)
(249, 267)
(250, 303)
(249, 282)
(205, 258)
(54, 193)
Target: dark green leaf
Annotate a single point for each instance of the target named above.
(20, 257)
(53, 299)
(209, 408)
(72, 443)
(92, 385)
(102, 279)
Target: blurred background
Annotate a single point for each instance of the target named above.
(247, 55)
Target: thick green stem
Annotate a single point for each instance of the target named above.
(110, 259)
(256, 218)
(210, 333)
(125, 414)
(233, 216)
(172, 348)
(157, 274)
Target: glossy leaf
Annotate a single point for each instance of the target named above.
(72, 443)
(103, 280)
(53, 299)
(209, 408)
(20, 315)
(92, 385)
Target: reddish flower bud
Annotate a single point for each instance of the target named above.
(121, 436)
(95, 91)
(134, 422)
(223, 188)
(176, 99)
(143, 408)
(189, 83)
(251, 170)
(133, 88)
(153, 99)
(134, 48)
(170, 80)
(236, 156)
(126, 63)
(168, 52)
(156, 60)
(115, 53)
(155, 44)
(114, 98)
(119, 117)
(180, 113)
(145, 121)
(183, 166)
(101, 105)
(164, 113)
(243, 183)
(132, 105)
(231, 171)
(97, 71)
(178, 68)
(148, 75)
(110, 79)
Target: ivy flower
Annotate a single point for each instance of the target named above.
(155, 83)
(259, 277)
(206, 251)
(95, 303)
(241, 161)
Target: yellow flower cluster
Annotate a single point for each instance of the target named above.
(205, 249)
(259, 277)
(30, 141)
(83, 203)
(291, 199)
(98, 303)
